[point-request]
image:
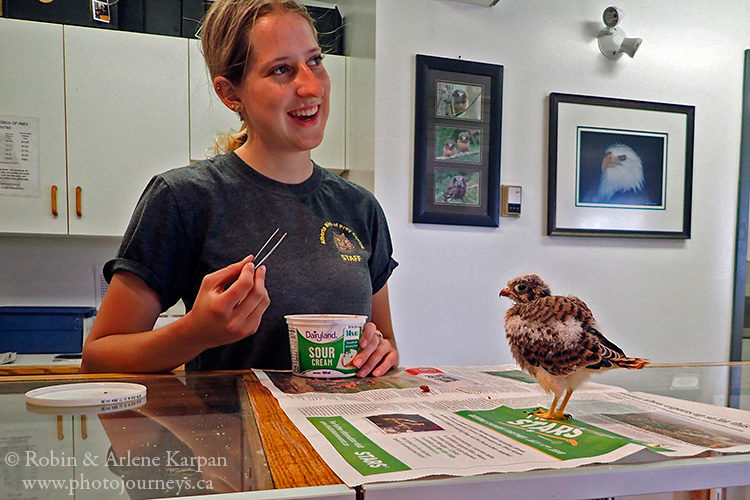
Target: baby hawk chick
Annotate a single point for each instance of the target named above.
(555, 339)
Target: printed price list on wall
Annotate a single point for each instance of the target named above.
(19, 156)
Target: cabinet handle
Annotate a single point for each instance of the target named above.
(60, 435)
(84, 432)
(78, 202)
(54, 200)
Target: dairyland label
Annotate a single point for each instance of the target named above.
(325, 349)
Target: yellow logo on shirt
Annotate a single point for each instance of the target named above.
(342, 242)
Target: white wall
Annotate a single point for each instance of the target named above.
(666, 300)
(58, 271)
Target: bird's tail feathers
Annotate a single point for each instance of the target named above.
(631, 363)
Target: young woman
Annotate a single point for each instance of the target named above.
(193, 231)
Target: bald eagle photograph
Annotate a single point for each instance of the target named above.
(621, 169)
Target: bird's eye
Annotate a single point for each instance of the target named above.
(622, 157)
(521, 288)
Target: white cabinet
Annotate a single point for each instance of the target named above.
(209, 116)
(332, 151)
(127, 117)
(113, 109)
(42, 445)
(32, 86)
(119, 103)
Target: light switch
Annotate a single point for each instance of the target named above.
(511, 201)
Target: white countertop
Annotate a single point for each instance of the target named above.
(42, 360)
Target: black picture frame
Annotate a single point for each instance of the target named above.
(458, 116)
(619, 167)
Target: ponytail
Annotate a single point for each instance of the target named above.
(230, 140)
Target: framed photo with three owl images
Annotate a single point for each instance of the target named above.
(458, 112)
(619, 167)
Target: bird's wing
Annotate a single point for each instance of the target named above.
(607, 350)
(559, 336)
(557, 307)
(540, 349)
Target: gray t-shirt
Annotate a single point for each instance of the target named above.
(194, 220)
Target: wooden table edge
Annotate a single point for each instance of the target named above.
(293, 461)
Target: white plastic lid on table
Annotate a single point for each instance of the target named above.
(85, 410)
(86, 394)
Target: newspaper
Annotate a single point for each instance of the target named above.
(464, 421)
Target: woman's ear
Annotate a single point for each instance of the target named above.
(226, 92)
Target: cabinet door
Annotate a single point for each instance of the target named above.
(42, 441)
(209, 116)
(127, 117)
(31, 86)
(94, 456)
(331, 153)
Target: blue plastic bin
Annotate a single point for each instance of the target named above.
(42, 330)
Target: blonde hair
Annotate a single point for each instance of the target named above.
(227, 49)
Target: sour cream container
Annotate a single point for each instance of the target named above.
(324, 345)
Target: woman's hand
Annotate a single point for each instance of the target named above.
(224, 313)
(377, 354)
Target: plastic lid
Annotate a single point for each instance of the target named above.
(85, 410)
(86, 394)
(327, 318)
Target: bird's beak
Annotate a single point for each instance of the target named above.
(607, 161)
(505, 292)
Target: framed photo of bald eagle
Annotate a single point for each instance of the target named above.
(457, 142)
(619, 167)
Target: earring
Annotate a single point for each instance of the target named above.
(236, 107)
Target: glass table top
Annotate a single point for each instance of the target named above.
(700, 382)
(194, 434)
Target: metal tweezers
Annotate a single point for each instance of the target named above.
(258, 263)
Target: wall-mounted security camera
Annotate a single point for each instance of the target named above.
(612, 40)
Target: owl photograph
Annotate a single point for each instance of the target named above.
(557, 341)
(621, 169)
(458, 144)
(449, 149)
(457, 187)
(464, 141)
(458, 101)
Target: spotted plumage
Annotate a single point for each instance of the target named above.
(556, 340)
